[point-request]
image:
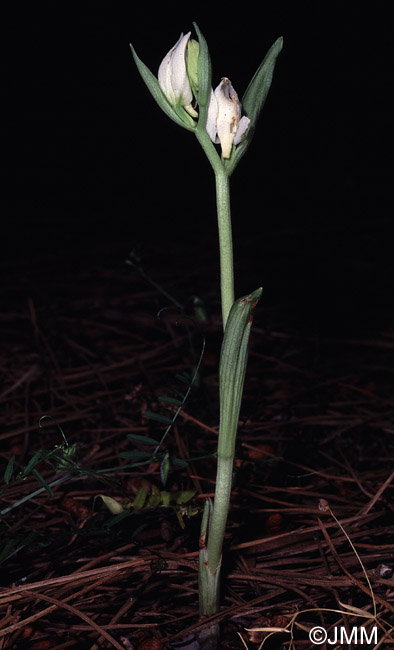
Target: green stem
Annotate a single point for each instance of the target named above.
(232, 373)
(224, 222)
(225, 243)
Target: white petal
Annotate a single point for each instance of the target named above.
(228, 115)
(164, 74)
(242, 128)
(212, 117)
(172, 74)
(179, 79)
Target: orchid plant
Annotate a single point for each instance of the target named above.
(224, 127)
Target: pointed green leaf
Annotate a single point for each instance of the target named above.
(158, 417)
(185, 496)
(113, 506)
(165, 497)
(14, 545)
(179, 461)
(144, 439)
(43, 482)
(185, 379)
(7, 548)
(154, 498)
(232, 369)
(154, 88)
(253, 101)
(9, 469)
(165, 468)
(257, 91)
(32, 462)
(170, 400)
(140, 499)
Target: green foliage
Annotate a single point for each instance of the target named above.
(60, 458)
(232, 369)
(146, 500)
(178, 501)
(9, 469)
(257, 91)
(165, 467)
(15, 544)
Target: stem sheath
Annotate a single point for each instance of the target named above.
(221, 502)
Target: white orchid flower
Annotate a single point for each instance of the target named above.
(173, 78)
(224, 122)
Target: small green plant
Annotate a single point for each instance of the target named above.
(184, 92)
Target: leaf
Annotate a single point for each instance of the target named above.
(14, 545)
(232, 369)
(185, 379)
(32, 462)
(43, 482)
(171, 400)
(165, 468)
(154, 88)
(140, 499)
(185, 496)
(158, 417)
(113, 506)
(154, 500)
(144, 439)
(165, 497)
(178, 392)
(356, 610)
(257, 91)
(9, 469)
(7, 548)
(254, 100)
(180, 462)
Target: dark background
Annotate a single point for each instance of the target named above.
(97, 168)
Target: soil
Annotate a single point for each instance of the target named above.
(97, 353)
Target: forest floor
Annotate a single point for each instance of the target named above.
(100, 523)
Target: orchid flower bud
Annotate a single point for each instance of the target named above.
(173, 78)
(224, 122)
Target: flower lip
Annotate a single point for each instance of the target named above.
(224, 122)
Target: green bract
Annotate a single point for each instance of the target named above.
(254, 99)
(204, 73)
